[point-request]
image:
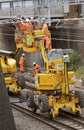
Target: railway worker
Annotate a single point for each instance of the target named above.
(29, 41)
(47, 42)
(21, 62)
(36, 68)
(44, 26)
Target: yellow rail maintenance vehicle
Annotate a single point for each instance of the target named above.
(14, 83)
(55, 86)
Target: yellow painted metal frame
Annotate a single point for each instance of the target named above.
(11, 85)
(8, 69)
(63, 102)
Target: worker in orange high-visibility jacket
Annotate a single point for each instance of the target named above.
(47, 42)
(23, 25)
(21, 62)
(36, 68)
(44, 26)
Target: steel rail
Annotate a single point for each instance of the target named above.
(34, 115)
(56, 123)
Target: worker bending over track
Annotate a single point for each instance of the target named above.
(36, 68)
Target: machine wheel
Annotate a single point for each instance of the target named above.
(80, 94)
(30, 98)
(43, 103)
(21, 82)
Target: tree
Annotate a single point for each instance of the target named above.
(74, 60)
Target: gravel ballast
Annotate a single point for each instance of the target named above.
(25, 122)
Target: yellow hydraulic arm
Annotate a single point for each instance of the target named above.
(43, 51)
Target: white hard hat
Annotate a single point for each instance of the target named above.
(27, 20)
(34, 63)
(43, 19)
(31, 18)
(23, 54)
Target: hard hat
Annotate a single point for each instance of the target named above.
(27, 20)
(34, 63)
(23, 54)
(43, 19)
(31, 18)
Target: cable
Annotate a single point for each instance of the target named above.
(6, 34)
(65, 34)
(68, 40)
(60, 39)
(68, 27)
(56, 34)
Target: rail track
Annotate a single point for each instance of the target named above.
(62, 122)
(72, 120)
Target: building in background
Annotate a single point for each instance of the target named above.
(51, 9)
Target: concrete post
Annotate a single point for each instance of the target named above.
(0, 5)
(49, 13)
(11, 8)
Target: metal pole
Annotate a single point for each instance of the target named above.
(11, 8)
(49, 14)
(39, 10)
(68, 39)
(0, 5)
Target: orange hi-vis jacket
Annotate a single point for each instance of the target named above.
(21, 63)
(48, 43)
(36, 69)
(23, 25)
(45, 28)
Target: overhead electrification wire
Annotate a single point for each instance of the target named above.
(68, 27)
(81, 41)
(6, 34)
(60, 39)
(69, 35)
(64, 33)
(56, 34)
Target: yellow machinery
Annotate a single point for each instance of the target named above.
(13, 82)
(54, 86)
